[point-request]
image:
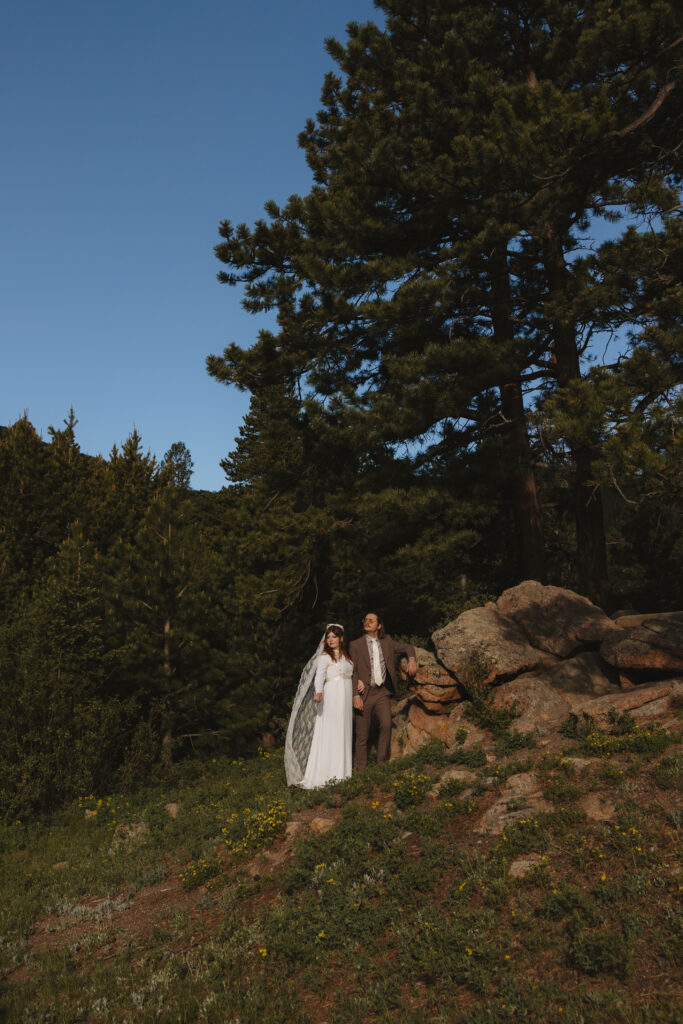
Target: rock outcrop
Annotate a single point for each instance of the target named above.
(414, 727)
(549, 653)
(555, 620)
(540, 707)
(584, 674)
(652, 645)
(434, 685)
(482, 646)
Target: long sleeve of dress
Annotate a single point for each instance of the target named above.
(320, 672)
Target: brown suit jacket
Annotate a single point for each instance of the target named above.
(360, 656)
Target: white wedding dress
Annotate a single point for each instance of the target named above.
(330, 756)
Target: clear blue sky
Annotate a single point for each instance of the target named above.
(129, 131)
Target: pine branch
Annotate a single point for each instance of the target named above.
(647, 115)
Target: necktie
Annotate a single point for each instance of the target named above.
(376, 666)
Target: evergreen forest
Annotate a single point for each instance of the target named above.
(472, 376)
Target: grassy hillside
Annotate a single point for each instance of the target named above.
(475, 886)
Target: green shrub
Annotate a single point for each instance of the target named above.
(668, 773)
(252, 829)
(566, 901)
(411, 789)
(600, 952)
(625, 736)
(198, 872)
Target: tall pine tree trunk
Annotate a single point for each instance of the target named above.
(167, 741)
(521, 481)
(588, 510)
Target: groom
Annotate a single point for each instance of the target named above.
(374, 680)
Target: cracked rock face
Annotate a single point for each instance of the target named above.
(482, 646)
(546, 696)
(446, 728)
(541, 708)
(583, 674)
(554, 619)
(434, 685)
(653, 644)
(643, 702)
(416, 727)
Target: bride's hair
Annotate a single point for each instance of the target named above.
(336, 631)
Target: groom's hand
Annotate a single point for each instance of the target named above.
(412, 667)
(358, 702)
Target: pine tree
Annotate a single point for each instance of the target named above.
(634, 409)
(284, 512)
(177, 462)
(43, 490)
(168, 627)
(457, 158)
(61, 733)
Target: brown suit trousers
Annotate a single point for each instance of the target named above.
(376, 699)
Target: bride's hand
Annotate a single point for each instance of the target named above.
(317, 697)
(361, 686)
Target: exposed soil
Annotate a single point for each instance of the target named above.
(154, 905)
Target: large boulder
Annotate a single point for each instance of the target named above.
(540, 708)
(546, 696)
(538, 645)
(654, 644)
(629, 619)
(482, 647)
(585, 673)
(644, 703)
(434, 685)
(553, 619)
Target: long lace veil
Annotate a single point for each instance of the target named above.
(302, 719)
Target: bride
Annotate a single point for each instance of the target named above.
(318, 744)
